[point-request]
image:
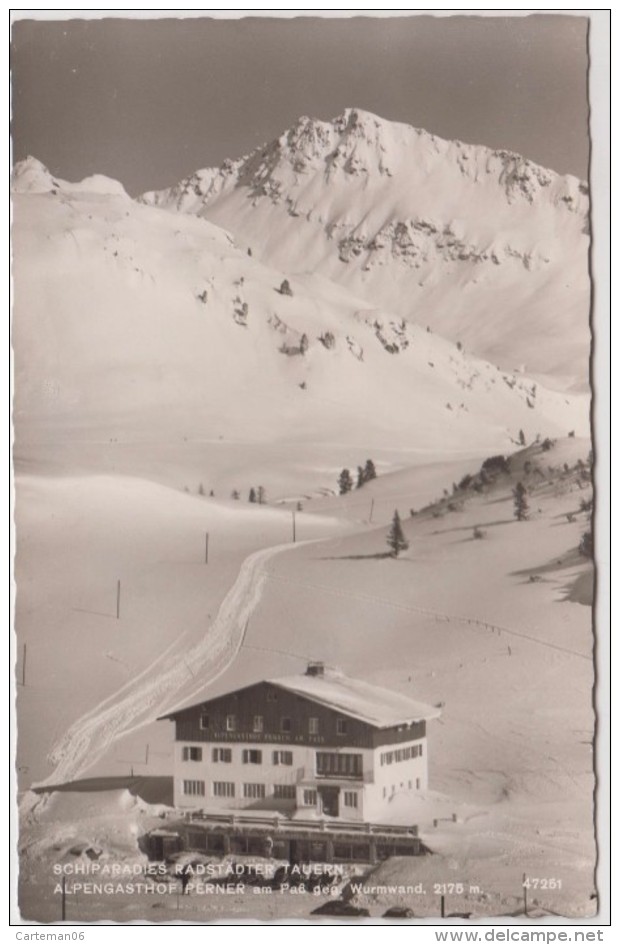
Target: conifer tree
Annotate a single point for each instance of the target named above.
(252, 495)
(345, 482)
(396, 537)
(369, 470)
(520, 500)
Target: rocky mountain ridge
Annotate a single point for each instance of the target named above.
(437, 231)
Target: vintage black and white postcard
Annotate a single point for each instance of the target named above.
(303, 465)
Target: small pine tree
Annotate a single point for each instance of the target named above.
(521, 438)
(396, 537)
(345, 482)
(252, 495)
(303, 344)
(369, 470)
(360, 478)
(285, 288)
(234, 494)
(261, 495)
(201, 489)
(521, 504)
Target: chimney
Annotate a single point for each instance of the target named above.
(315, 669)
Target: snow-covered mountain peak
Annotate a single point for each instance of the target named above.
(485, 246)
(31, 176)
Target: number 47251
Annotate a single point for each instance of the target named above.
(542, 882)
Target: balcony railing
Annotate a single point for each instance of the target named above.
(309, 774)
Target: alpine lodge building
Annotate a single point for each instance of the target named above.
(318, 744)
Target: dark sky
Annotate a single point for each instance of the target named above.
(149, 101)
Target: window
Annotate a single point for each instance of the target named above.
(223, 789)
(231, 723)
(310, 797)
(313, 726)
(254, 791)
(204, 721)
(285, 724)
(221, 754)
(350, 798)
(257, 724)
(341, 727)
(194, 788)
(338, 764)
(282, 758)
(401, 754)
(251, 756)
(284, 792)
(192, 754)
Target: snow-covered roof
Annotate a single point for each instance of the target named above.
(374, 705)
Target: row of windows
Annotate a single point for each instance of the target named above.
(253, 791)
(401, 754)
(258, 724)
(339, 764)
(249, 756)
(402, 784)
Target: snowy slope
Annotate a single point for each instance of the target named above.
(454, 621)
(132, 322)
(484, 246)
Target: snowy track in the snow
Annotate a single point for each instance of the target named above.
(152, 693)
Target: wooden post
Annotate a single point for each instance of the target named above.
(63, 899)
(206, 547)
(524, 895)
(24, 666)
(443, 906)
(118, 600)
(146, 754)
(372, 505)
(294, 526)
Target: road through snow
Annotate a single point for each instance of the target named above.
(152, 692)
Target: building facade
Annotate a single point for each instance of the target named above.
(319, 744)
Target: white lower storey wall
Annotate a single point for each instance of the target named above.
(283, 777)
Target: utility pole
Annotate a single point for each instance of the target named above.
(294, 539)
(63, 899)
(206, 547)
(118, 600)
(24, 666)
(443, 906)
(146, 754)
(524, 894)
(372, 505)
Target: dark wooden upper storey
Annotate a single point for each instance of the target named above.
(266, 712)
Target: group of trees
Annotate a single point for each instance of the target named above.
(364, 475)
(257, 495)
